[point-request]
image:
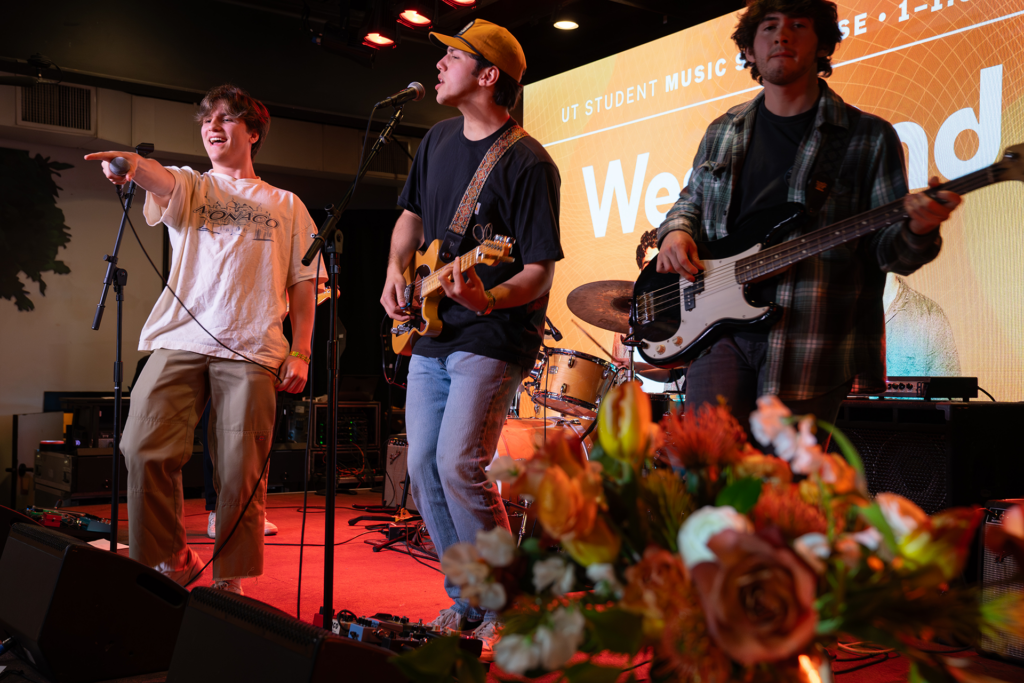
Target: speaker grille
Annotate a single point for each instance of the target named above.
(47, 537)
(259, 615)
(57, 105)
(996, 574)
(913, 464)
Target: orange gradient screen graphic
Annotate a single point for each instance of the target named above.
(946, 73)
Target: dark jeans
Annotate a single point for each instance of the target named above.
(734, 369)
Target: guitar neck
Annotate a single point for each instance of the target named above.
(774, 259)
(432, 283)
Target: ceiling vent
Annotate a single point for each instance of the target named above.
(63, 108)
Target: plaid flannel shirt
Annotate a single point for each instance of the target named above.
(832, 326)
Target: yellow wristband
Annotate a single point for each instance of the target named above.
(490, 303)
(299, 355)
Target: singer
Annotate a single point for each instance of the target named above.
(237, 244)
(461, 383)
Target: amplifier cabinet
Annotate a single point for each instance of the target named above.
(358, 427)
(396, 467)
(938, 454)
(999, 576)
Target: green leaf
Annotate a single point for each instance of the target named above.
(742, 494)
(846, 446)
(432, 662)
(615, 630)
(873, 514)
(469, 669)
(531, 546)
(586, 672)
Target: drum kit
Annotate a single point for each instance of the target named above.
(563, 391)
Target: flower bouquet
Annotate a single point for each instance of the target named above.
(682, 547)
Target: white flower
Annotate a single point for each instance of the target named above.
(496, 547)
(704, 524)
(870, 538)
(560, 642)
(807, 455)
(516, 653)
(555, 573)
(490, 595)
(603, 575)
(505, 469)
(461, 564)
(904, 516)
(766, 423)
(813, 548)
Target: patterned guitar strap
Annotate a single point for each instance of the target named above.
(467, 207)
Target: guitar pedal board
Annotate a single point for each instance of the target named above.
(395, 633)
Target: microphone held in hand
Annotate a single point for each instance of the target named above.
(120, 166)
(414, 93)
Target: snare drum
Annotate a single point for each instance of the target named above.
(575, 382)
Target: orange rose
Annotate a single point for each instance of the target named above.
(758, 598)
(599, 546)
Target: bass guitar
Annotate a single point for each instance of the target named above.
(423, 290)
(677, 319)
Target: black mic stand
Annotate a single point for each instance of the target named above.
(118, 277)
(330, 240)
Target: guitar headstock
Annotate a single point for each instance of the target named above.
(495, 250)
(1011, 165)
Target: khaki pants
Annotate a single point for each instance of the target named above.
(166, 404)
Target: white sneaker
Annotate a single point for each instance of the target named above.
(229, 586)
(489, 633)
(447, 619)
(182, 575)
(269, 528)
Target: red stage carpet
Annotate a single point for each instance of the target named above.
(367, 582)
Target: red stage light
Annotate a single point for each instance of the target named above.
(376, 40)
(461, 3)
(413, 19)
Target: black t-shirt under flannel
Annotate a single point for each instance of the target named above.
(520, 200)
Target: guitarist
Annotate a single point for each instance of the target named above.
(462, 382)
(829, 340)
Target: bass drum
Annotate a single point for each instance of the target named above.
(521, 437)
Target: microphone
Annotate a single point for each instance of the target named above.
(414, 93)
(119, 166)
(555, 334)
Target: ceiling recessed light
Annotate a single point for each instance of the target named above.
(566, 24)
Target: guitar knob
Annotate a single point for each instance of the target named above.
(678, 341)
(661, 348)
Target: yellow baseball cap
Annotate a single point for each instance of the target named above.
(490, 41)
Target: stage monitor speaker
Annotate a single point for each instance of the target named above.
(1000, 574)
(397, 465)
(938, 454)
(227, 637)
(9, 518)
(80, 614)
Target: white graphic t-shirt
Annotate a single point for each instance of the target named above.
(237, 248)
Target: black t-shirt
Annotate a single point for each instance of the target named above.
(764, 179)
(520, 200)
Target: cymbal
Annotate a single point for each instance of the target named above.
(604, 304)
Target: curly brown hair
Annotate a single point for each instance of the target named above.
(822, 12)
(241, 105)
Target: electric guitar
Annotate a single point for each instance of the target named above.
(677, 319)
(423, 290)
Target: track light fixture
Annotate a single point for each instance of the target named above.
(415, 14)
(380, 32)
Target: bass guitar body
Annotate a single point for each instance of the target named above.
(678, 319)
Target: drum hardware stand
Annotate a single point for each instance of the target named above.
(330, 240)
(118, 278)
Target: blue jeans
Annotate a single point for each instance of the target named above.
(734, 368)
(454, 413)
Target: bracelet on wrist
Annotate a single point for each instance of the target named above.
(300, 356)
(490, 303)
